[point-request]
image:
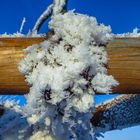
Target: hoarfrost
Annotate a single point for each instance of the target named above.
(22, 25)
(135, 33)
(64, 73)
(20, 35)
(43, 17)
(58, 6)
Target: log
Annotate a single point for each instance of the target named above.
(118, 113)
(11, 52)
(124, 64)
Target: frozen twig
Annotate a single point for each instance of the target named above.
(58, 6)
(22, 25)
(46, 14)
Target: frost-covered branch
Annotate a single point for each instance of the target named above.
(22, 25)
(64, 73)
(58, 6)
(118, 113)
(45, 15)
(13, 123)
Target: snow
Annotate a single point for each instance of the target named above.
(42, 18)
(22, 25)
(135, 33)
(12, 122)
(40, 136)
(58, 6)
(20, 35)
(122, 110)
(105, 81)
(64, 73)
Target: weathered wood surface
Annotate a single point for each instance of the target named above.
(124, 64)
(11, 52)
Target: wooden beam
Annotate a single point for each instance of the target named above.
(124, 64)
(118, 113)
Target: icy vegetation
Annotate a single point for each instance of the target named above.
(120, 113)
(22, 25)
(135, 33)
(19, 34)
(43, 17)
(64, 73)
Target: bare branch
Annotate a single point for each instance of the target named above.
(118, 113)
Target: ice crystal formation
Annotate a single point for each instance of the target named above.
(135, 33)
(118, 113)
(64, 73)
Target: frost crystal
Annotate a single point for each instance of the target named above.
(13, 126)
(135, 33)
(58, 6)
(64, 73)
(22, 25)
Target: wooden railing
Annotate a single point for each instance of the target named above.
(124, 64)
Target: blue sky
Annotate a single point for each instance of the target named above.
(122, 15)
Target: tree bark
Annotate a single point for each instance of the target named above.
(124, 64)
(118, 113)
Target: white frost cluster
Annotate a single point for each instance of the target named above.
(58, 6)
(20, 35)
(64, 73)
(13, 124)
(135, 33)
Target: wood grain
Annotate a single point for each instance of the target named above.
(11, 52)
(124, 64)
